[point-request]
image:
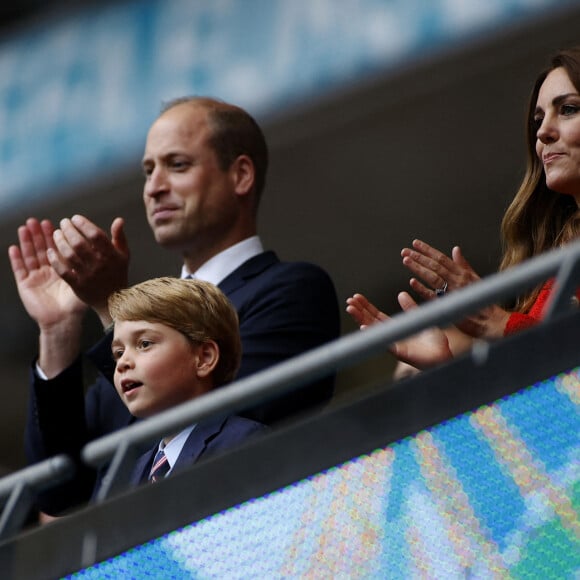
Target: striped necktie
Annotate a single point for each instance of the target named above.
(160, 467)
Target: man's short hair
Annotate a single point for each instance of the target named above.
(197, 309)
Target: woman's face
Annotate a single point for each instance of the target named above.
(557, 117)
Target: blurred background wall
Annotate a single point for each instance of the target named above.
(387, 120)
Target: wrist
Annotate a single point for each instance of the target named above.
(59, 345)
(495, 327)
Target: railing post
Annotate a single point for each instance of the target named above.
(20, 489)
(119, 471)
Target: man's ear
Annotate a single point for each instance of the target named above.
(243, 173)
(208, 356)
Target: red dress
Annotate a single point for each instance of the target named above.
(518, 321)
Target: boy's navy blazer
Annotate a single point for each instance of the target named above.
(284, 309)
(206, 439)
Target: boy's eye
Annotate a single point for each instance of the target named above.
(144, 343)
(117, 354)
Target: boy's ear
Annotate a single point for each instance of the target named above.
(208, 355)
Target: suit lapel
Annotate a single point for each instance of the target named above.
(143, 466)
(194, 446)
(249, 269)
(197, 442)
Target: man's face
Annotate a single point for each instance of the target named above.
(189, 200)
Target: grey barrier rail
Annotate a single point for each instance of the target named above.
(121, 448)
(18, 489)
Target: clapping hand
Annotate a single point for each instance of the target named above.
(93, 264)
(437, 274)
(423, 350)
(45, 295)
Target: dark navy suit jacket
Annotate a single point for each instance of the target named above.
(284, 308)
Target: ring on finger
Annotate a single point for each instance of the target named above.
(441, 291)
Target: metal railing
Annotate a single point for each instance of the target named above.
(17, 490)
(120, 448)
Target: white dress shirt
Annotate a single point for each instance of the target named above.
(223, 264)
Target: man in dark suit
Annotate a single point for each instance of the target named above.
(205, 166)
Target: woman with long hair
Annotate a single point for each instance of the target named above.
(543, 215)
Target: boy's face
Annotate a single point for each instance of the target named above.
(156, 367)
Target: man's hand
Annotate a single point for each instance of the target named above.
(47, 298)
(93, 265)
(45, 295)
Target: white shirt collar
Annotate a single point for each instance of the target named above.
(174, 447)
(223, 264)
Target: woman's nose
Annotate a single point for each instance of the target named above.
(548, 131)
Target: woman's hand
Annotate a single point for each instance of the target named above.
(423, 350)
(435, 271)
(437, 274)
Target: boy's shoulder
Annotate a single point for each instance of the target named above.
(243, 425)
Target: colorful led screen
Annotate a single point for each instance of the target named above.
(491, 493)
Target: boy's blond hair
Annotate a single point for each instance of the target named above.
(197, 309)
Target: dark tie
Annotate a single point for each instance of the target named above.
(160, 467)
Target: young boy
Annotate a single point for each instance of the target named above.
(175, 340)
